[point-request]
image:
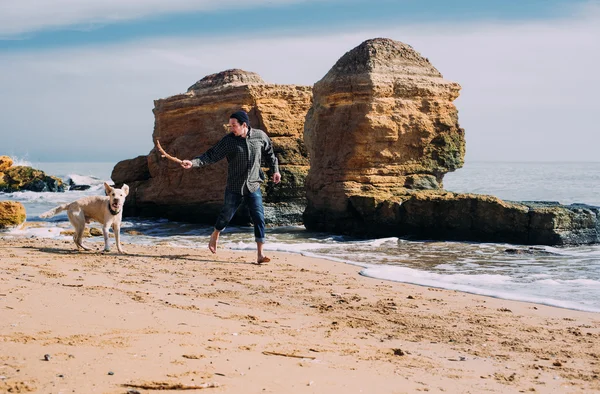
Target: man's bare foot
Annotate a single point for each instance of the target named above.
(214, 239)
(263, 259)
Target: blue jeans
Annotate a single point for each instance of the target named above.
(255, 206)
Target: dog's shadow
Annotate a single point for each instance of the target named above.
(75, 252)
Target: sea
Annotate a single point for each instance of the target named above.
(566, 277)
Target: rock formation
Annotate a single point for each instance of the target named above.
(12, 214)
(382, 133)
(188, 124)
(382, 121)
(20, 178)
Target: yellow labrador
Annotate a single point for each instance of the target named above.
(106, 210)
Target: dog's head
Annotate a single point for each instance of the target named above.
(116, 196)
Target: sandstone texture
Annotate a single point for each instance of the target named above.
(12, 214)
(383, 120)
(21, 178)
(188, 124)
(5, 163)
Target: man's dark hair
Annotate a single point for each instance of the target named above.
(242, 117)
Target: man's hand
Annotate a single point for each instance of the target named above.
(276, 177)
(186, 164)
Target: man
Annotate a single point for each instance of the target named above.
(244, 148)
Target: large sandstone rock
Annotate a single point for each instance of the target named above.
(20, 178)
(383, 130)
(12, 214)
(188, 124)
(382, 120)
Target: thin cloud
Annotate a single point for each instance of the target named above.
(25, 16)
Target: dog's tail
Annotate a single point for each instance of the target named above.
(54, 211)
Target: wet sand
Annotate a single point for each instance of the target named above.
(176, 319)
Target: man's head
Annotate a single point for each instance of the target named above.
(242, 117)
(239, 123)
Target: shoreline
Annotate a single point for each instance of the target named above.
(566, 295)
(166, 317)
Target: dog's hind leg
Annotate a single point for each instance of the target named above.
(79, 240)
(77, 219)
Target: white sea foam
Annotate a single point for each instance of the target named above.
(38, 232)
(477, 284)
(77, 179)
(45, 197)
(379, 241)
(20, 161)
(569, 282)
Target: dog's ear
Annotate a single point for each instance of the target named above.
(125, 189)
(107, 188)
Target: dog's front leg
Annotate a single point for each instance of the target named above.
(117, 230)
(106, 239)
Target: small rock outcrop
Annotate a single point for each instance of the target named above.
(190, 123)
(12, 214)
(21, 178)
(443, 215)
(382, 121)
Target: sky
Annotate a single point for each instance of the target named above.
(78, 78)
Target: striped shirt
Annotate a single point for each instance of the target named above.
(244, 155)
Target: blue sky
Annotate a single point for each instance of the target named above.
(79, 78)
(120, 23)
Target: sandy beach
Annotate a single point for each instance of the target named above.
(177, 319)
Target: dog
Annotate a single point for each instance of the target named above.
(107, 210)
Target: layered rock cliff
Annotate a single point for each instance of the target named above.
(383, 120)
(190, 123)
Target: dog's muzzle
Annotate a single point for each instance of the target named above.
(114, 207)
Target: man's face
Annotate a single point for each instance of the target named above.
(235, 127)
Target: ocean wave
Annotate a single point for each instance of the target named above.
(480, 285)
(52, 232)
(569, 282)
(76, 179)
(19, 161)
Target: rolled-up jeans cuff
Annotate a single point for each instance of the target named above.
(260, 240)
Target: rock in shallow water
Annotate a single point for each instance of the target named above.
(12, 214)
(24, 178)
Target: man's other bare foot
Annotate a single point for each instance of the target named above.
(214, 240)
(263, 259)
